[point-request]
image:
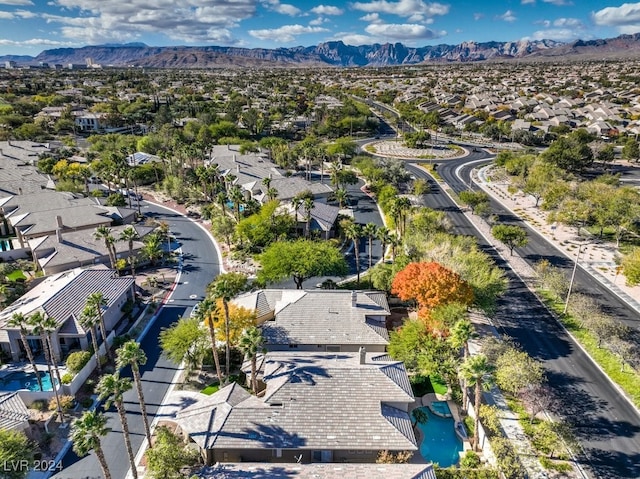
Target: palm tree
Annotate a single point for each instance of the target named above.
(370, 231)
(130, 353)
(112, 388)
(296, 202)
(129, 234)
(85, 435)
(461, 333)
(89, 319)
(272, 194)
(477, 372)
(353, 231)
(394, 241)
(342, 196)
(225, 287)
(152, 249)
(221, 198)
(97, 301)
(237, 197)
(308, 204)
(41, 327)
(18, 320)
(104, 233)
(250, 344)
(383, 235)
(208, 311)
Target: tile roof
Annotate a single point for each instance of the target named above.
(312, 401)
(248, 470)
(13, 412)
(329, 317)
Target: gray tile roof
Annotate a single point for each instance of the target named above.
(13, 412)
(312, 401)
(34, 224)
(248, 470)
(323, 216)
(328, 317)
(42, 201)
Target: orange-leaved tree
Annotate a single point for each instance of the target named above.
(431, 285)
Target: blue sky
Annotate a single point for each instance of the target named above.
(29, 26)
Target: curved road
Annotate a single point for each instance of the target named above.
(200, 267)
(607, 426)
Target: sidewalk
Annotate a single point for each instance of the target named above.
(597, 258)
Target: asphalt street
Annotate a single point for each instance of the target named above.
(200, 267)
(607, 426)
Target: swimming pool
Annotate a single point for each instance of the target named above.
(6, 245)
(440, 444)
(440, 408)
(25, 380)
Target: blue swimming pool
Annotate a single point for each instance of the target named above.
(441, 408)
(440, 444)
(6, 245)
(25, 380)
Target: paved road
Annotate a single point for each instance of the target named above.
(200, 267)
(607, 426)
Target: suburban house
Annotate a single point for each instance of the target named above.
(315, 407)
(248, 470)
(72, 249)
(63, 296)
(320, 320)
(13, 412)
(18, 172)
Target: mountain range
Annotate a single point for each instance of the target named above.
(334, 53)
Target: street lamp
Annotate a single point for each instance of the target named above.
(573, 276)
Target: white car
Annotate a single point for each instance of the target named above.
(194, 310)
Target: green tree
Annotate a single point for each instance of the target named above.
(538, 179)
(168, 456)
(516, 371)
(18, 320)
(631, 150)
(570, 153)
(15, 448)
(132, 354)
(96, 301)
(152, 249)
(370, 231)
(104, 233)
(513, 236)
(129, 234)
(225, 287)
(207, 311)
(477, 372)
(461, 333)
(631, 267)
(473, 199)
(185, 341)
(300, 259)
(353, 231)
(251, 344)
(89, 319)
(85, 436)
(112, 388)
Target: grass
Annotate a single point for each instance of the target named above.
(439, 386)
(628, 380)
(16, 275)
(210, 389)
(430, 168)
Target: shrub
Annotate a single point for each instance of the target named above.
(66, 403)
(40, 405)
(67, 378)
(86, 402)
(470, 460)
(89, 386)
(120, 340)
(76, 361)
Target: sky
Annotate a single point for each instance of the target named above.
(29, 26)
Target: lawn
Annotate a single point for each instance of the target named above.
(210, 389)
(16, 275)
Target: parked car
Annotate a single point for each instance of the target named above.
(194, 310)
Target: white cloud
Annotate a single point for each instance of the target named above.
(356, 39)
(318, 21)
(197, 21)
(283, 8)
(508, 16)
(478, 16)
(371, 18)
(286, 33)
(568, 22)
(559, 34)
(32, 42)
(403, 8)
(559, 3)
(528, 2)
(21, 3)
(327, 10)
(406, 31)
(625, 17)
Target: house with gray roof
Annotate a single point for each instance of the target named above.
(14, 414)
(62, 297)
(316, 407)
(320, 320)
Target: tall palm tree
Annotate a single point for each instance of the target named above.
(112, 388)
(353, 231)
(41, 328)
(296, 202)
(308, 204)
(461, 333)
(221, 198)
(152, 249)
(478, 372)
(272, 194)
(394, 241)
(89, 319)
(104, 233)
(225, 287)
(342, 196)
(237, 197)
(129, 234)
(97, 301)
(370, 231)
(250, 344)
(18, 320)
(130, 353)
(383, 236)
(207, 312)
(85, 436)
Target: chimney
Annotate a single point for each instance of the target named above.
(59, 227)
(354, 299)
(59, 222)
(362, 351)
